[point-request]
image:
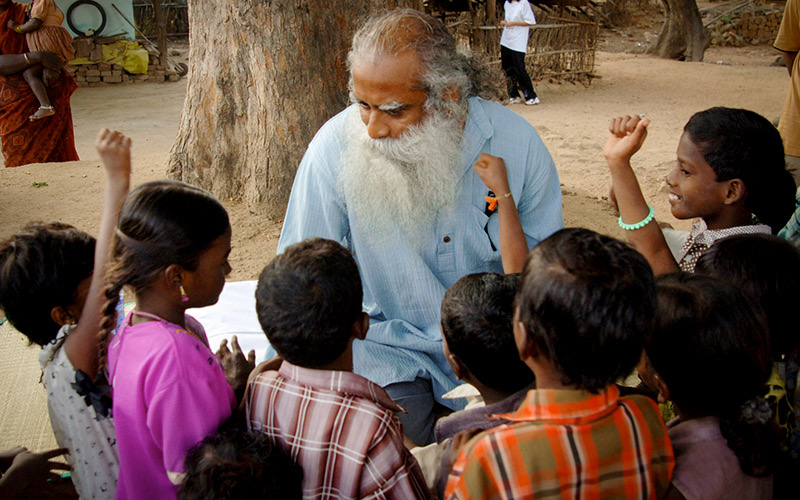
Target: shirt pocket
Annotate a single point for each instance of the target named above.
(480, 245)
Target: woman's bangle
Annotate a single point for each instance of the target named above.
(25, 55)
(18, 30)
(633, 227)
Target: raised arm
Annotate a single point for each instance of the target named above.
(513, 245)
(627, 134)
(81, 344)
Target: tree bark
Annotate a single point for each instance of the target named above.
(683, 35)
(265, 75)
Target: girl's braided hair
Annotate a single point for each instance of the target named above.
(162, 223)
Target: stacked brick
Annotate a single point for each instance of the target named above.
(100, 73)
(93, 75)
(755, 27)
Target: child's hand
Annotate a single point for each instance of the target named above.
(12, 24)
(115, 151)
(237, 368)
(492, 171)
(627, 136)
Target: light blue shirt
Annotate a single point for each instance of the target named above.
(404, 287)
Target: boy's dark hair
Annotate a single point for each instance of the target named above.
(161, 223)
(237, 465)
(768, 268)
(308, 299)
(477, 323)
(705, 328)
(41, 268)
(587, 300)
(741, 144)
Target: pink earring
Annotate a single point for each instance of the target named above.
(184, 297)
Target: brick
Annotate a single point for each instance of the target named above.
(71, 69)
(116, 72)
(103, 66)
(116, 67)
(173, 77)
(112, 79)
(140, 78)
(92, 79)
(93, 72)
(106, 73)
(126, 78)
(82, 83)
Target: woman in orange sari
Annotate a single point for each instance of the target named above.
(25, 141)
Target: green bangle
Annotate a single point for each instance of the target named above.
(633, 227)
(18, 30)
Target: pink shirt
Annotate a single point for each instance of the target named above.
(169, 393)
(341, 428)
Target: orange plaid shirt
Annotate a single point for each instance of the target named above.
(569, 444)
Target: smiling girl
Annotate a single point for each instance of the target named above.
(730, 175)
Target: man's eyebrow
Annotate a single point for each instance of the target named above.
(393, 106)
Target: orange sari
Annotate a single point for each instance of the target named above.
(47, 140)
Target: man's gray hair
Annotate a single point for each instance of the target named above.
(444, 68)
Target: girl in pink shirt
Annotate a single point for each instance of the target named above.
(169, 389)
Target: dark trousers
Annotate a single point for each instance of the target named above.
(517, 77)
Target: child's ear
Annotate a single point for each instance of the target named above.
(361, 326)
(663, 390)
(458, 366)
(526, 348)
(736, 191)
(62, 316)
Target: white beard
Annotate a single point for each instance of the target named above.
(401, 184)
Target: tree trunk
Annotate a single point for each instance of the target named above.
(265, 75)
(683, 35)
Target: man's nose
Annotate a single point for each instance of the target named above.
(377, 128)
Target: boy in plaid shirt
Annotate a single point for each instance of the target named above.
(340, 427)
(583, 307)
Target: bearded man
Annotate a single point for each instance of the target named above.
(391, 178)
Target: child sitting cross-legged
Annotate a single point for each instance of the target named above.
(583, 307)
(724, 438)
(478, 341)
(340, 427)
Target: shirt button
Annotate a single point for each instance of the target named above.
(446, 239)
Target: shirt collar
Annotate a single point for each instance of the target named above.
(338, 381)
(565, 406)
(701, 234)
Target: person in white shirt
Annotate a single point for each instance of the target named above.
(513, 46)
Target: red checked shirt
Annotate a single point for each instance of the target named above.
(569, 444)
(341, 428)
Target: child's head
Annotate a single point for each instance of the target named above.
(477, 326)
(585, 302)
(768, 268)
(709, 354)
(308, 302)
(731, 159)
(237, 465)
(45, 271)
(173, 238)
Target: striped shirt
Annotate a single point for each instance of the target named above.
(569, 444)
(341, 428)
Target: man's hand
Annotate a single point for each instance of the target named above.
(115, 152)
(492, 171)
(627, 136)
(237, 367)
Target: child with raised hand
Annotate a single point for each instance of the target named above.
(169, 389)
(513, 245)
(340, 427)
(43, 32)
(724, 439)
(50, 293)
(730, 174)
(584, 305)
